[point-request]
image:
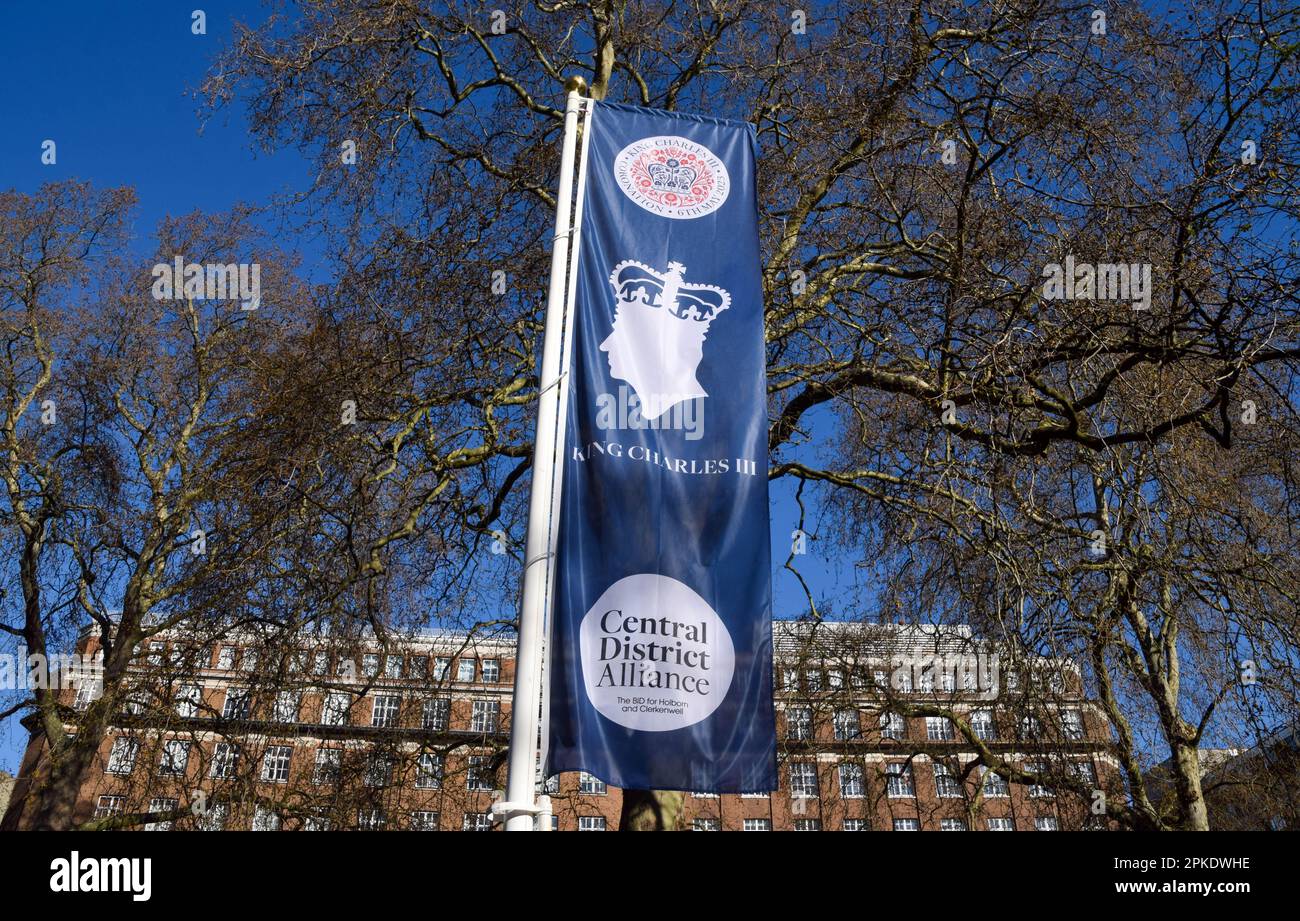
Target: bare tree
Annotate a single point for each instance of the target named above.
(1106, 478)
(144, 485)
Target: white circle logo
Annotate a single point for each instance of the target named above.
(672, 177)
(655, 655)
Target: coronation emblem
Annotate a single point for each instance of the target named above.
(672, 177)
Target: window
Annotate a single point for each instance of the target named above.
(994, 784)
(316, 820)
(250, 662)
(224, 757)
(852, 785)
(214, 818)
(790, 679)
(441, 668)
(88, 691)
(286, 706)
(320, 663)
(926, 684)
(892, 727)
(121, 760)
(237, 704)
(175, 756)
(847, 726)
(835, 678)
(477, 821)
(370, 665)
(385, 710)
(1030, 727)
(109, 806)
(807, 824)
(155, 654)
(592, 786)
(329, 764)
(1046, 823)
(803, 779)
(813, 680)
(417, 668)
(1087, 773)
(428, 774)
(188, 699)
(424, 821)
(938, 729)
(706, 825)
(857, 825)
(981, 722)
(898, 780)
(437, 714)
(952, 825)
(161, 804)
(465, 670)
(275, 764)
(371, 819)
(591, 823)
(946, 784)
(393, 666)
(226, 658)
(1002, 825)
(478, 776)
(135, 703)
(798, 723)
(907, 825)
(1072, 725)
(758, 825)
(379, 769)
(334, 709)
(491, 669)
(266, 819)
(484, 718)
(1037, 790)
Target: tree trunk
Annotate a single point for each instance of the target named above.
(1187, 783)
(651, 810)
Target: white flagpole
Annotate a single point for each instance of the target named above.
(520, 806)
(566, 355)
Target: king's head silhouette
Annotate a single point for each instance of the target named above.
(660, 324)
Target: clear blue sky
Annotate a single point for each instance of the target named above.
(111, 84)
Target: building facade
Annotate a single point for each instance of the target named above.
(411, 734)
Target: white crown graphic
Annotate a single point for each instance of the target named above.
(636, 283)
(657, 340)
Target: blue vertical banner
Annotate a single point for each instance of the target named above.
(660, 663)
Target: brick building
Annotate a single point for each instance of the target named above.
(238, 734)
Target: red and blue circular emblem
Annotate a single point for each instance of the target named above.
(672, 177)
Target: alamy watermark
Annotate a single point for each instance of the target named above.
(622, 411)
(976, 677)
(241, 281)
(1105, 281)
(24, 671)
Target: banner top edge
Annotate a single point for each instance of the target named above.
(667, 113)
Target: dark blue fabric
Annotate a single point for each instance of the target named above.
(687, 503)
